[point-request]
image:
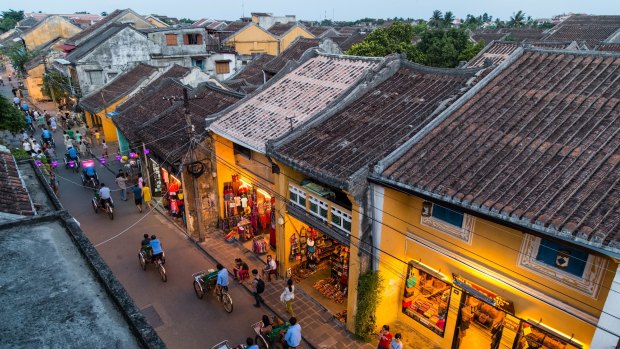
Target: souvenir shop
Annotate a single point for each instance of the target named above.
(248, 215)
(319, 264)
(171, 192)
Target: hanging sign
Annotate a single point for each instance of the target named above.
(483, 294)
(156, 178)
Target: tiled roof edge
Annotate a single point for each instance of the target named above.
(572, 52)
(522, 223)
(24, 186)
(396, 154)
(488, 46)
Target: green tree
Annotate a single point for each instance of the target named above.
(517, 19)
(19, 56)
(10, 19)
(55, 85)
(397, 38)
(103, 14)
(369, 291)
(448, 18)
(446, 48)
(11, 118)
(436, 20)
(186, 20)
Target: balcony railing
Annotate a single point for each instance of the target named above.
(330, 213)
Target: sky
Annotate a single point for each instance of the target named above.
(320, 9)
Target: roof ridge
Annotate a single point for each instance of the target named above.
(572, 52)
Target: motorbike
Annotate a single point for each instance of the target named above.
(108, 206)
(159, 263)
(49, 141)
(72, 163)
(89, 182)
(204, 282)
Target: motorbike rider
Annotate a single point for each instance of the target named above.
(104, 195)
(89, 172)
(156, 247)
(72, 154)
(46, 136)
(222, 279)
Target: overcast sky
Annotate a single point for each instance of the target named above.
(320, 9)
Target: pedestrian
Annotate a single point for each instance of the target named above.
(397, 342)
(140, 181)
(1, 82)
(241, 270)
(36, 146)
(54, 183)
(121, 181)
(78, 136)
(104, 145)
(27, 146)
(258, 287)
(385, 337)
(292, 338)
(71, 134)
(53, 124)
(82, 149)
(288, 295)
(51, 153)
(67, 140)
(146, 196)
(249, 343)
(137, 198)
(14, 90)
(97, 136)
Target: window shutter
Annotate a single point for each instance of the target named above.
(186, 39)
(171, 39)
(199, 39)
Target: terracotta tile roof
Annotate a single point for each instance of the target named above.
(280, 28)
(91, 43)
(14, 197)
(539, 145)
(117, 88)
(150, 105)
(520, 34)
(300, 94)
(488, 35)
(373, 125)
(608, 47)
(318, 30)
(348, 31)
(293, 52)
(346, 44)
(591, 29)
(232, 28)
(204, 101)
(96, 26)
(175, 71)
(493, 54)
(252, 73)
(552, 45)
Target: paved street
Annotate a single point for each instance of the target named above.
(181, 319)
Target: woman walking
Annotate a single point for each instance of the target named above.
(288, 295)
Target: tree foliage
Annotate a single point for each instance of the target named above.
(19, 56)
(369, 291)
(186, 20)
(518, 19)
(435, 47)
(55, 85)
(10, 19)
(11, 118)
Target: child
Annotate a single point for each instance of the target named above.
(105, 148)
(82, 148)
(97, 136)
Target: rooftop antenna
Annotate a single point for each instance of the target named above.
(242, 9)
(290, 120)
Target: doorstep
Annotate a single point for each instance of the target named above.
(320, 329)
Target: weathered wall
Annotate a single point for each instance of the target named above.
(293, 34)
(50, 29)
(210, 64)
(34, 82)
(159, 38)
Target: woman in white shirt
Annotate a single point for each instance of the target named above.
(288, 295)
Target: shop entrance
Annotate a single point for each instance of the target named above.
(320, 266)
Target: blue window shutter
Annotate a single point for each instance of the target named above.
(549, 252)
(447, 215)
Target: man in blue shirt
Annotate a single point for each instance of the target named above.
(250, 344)
(157, 252)
(89, 172)
(46, 135)
(292, 338)
(222, 279)
(25, 107)
(72, 153)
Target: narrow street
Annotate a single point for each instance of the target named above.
(172, 308)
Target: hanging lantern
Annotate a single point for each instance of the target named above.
(102, 160)
(133, 155)
(146, 151)
(38, 163)
(72, 164)
(54, 164)
(124, 158)
(118, 157)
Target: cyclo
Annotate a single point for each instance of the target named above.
(89, 180)
(204, 282)
(272, 339)
(107, 206)
(145, 258)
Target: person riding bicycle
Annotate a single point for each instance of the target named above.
(104, 195)
(72, 154)
(222, 279)
(46, 136)
(157, 250)
(145, 246)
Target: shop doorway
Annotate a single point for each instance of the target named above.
(480, 325)
(320, 266)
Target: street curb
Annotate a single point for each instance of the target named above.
(244, 285)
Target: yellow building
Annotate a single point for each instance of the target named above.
(249, 38)
(35, 71)
(494, 229)
(49, 29)
(157, 22)
(287, 33)
(101, 104)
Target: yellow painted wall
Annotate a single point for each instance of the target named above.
(252, 39)
(107, 129)
(296, 32)
(48, 30)
(492, 246)
(158, 24)
(34, 82)
(137, 21)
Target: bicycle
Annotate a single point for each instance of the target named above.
(205, 282)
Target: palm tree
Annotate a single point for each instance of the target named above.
(518, 19)
(436, 19)
(448, 18)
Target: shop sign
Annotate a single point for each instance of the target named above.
(511, 323)
(156, 177)
(484, 294)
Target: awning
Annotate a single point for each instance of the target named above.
(62, 61)
(67, 47)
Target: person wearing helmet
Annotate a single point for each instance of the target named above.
(156, 247)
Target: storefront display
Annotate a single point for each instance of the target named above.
(248, 215)
(535, 336)
(172, 198)
(426, 297)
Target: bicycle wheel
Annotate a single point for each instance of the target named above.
(198, 290)
(142, 261)
(162, 273)
(227, 301)
(110, 211)
(261, 342)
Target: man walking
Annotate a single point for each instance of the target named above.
(121, 181)
(137, 197)
(258, 287)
